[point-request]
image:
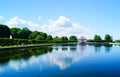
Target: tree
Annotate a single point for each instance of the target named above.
(20, 33)
(44, 35)
(64, 38)
(25, 32)
(49, 37)
(39, 37)
(4, 31)
(56, 39)
(97, 38)
(33, 35)
(73, 38)
(108, 38)
(15, 32)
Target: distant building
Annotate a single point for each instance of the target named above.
(82, 40)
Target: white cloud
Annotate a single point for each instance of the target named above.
(63, 26)
(1, 18)
(18, 22)
(39, 17)
(33, 26)
(15, 21)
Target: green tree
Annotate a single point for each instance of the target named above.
(25, 32)
(97, 38)
(64, 38)
(56, 39)
(44, 35)
(4, 31)
(49, 37)
(73, 38)
(20, 33)
(33, 35)
(108, 38)
(39, 37)
(15, 32)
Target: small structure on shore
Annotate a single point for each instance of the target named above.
(10, 36)
(82, 40)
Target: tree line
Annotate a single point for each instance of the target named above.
(97, 38)
(27, 36)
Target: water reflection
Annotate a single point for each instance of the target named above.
(64, 48)
(25, 54)
(98, 47)
(64, 60)
(108, 47)
(19, 60)
(73, 48)
(82, 47)
(45, 62)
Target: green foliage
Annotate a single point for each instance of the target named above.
(4, 31)
(39, 37)
(6, 41)
(36, 35)
(33, 35)
(108, 38)
(25, 32)
(73, 38)
(49, 38)
(20, 33)
(15, 32)
(56, 40)
(44, 35)
(97, 38)
(64, 38)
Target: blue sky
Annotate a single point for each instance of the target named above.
(64, 17)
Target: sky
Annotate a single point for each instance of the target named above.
(64, 17)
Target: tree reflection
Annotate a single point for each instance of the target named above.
(7, 55)
(64, 48)
(108, 47)
(97, 47)
(73, 47)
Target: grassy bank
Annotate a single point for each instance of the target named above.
(31, 45)
(21, 46)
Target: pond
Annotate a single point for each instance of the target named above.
(61, 60)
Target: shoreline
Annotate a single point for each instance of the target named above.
(22, 46)
(29, 46)
(45, 44)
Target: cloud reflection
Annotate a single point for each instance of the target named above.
(17, 64)
(64, 59)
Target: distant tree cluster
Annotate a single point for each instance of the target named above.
(33, 36)
(97, 38)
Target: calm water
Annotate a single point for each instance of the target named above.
(62, 61)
